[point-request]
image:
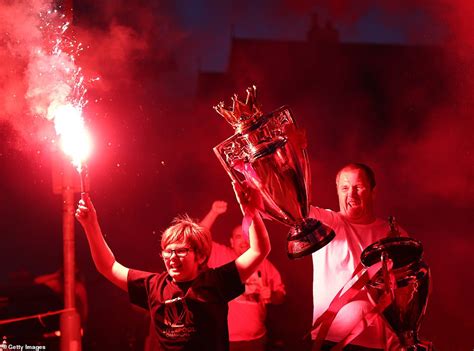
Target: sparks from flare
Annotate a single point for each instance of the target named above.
(57, 88)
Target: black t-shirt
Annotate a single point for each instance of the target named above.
(191, 315)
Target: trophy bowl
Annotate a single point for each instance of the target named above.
(410, 291)
(267, 152)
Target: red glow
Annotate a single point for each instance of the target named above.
(75, 139)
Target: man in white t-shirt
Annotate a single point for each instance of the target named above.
(356, 227)
(246, 318)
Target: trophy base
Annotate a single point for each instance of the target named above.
(307, 238)
(420, 346)
(410, 342)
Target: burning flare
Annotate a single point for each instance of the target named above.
(75, 139)
(57, 86)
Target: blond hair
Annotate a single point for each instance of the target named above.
(369, 173)
(184, 229)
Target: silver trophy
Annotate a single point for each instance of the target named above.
(410, 290)
(269, 152)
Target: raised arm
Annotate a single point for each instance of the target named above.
(103, 257)
(218, 207)
(250, 200)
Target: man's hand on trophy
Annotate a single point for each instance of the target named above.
(219, 207)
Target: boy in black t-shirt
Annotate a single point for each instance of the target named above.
(188, 303)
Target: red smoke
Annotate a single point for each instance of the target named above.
(438, 159)
(114, 39)
(19, 25)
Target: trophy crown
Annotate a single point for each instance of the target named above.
(241, 113)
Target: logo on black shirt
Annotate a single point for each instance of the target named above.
(178, 318)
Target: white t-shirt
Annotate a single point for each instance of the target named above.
(333, 266)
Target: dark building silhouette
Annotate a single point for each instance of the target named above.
(386, 86)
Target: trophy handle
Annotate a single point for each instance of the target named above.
(233, 174)
(237, 173)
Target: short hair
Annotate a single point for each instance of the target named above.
(184, 229)
(369, 173)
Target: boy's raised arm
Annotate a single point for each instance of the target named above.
(250, 201)
(103, 257)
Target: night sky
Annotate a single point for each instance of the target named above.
(153, 138)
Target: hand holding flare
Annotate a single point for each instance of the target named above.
(85, 212)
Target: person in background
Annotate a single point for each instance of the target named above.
(247, 313)
(55, 281)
